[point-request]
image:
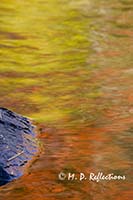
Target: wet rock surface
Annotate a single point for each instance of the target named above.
(17, 144)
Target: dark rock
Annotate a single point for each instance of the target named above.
(17, 144)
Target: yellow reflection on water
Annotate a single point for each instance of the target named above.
(67, 65)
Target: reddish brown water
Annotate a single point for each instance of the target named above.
(68, 66)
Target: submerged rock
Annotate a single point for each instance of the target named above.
(17, 144)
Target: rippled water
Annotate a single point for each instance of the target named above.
(67, 64)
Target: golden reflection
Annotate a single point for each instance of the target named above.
(67, 65)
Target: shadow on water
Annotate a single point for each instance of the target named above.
(67, 65)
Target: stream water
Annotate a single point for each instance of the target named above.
(67, 64)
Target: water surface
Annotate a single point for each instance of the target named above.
(67, 64)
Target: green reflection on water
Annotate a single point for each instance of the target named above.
(45, 46)
(67, 63)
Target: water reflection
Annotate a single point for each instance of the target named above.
(67, 64)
